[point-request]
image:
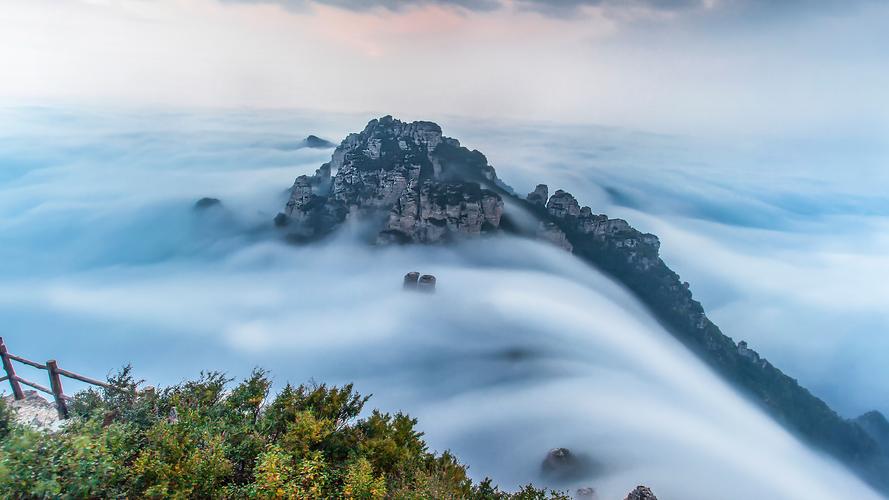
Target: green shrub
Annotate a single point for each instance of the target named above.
(198, 440)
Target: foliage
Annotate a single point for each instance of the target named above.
(200, 439)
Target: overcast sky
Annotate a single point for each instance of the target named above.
(689, 66)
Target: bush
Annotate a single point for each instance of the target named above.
(198, 440)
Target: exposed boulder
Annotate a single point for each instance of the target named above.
(410, 280)
(426, 283)
(561, 204)
(641, 493)
(35, 411)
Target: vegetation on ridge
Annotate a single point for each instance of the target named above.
(201, 440)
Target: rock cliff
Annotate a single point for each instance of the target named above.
(425, 188)
(413, 185)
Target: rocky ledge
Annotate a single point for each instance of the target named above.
(411, 184)
(34, 411)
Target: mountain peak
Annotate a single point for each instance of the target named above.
(412, 184)
(431, 188)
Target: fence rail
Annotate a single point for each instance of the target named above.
(55, 379)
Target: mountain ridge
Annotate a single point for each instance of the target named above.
(417, 186)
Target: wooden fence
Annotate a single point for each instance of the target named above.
(55, 379)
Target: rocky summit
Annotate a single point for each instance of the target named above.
(411, 184)
(417, 185)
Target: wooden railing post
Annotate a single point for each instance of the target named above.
(55, 383)
(17, 392)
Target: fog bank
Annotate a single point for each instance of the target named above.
(522, 349)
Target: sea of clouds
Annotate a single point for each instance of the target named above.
(103, 261)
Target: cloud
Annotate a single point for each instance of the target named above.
(367, 5)
(560, 8)
(784, 247)
(103, 259)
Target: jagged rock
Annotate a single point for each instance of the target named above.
(426, 283)
(438, 211)
(539, 195)
(206, 203)
(641, 493)
(35, 411)
(745, 352)
(550, 232)
(562, 204)
(427, 187)
(313, 141)
(421, 187)
(876, 426)
(410, 280)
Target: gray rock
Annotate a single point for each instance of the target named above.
(641, 493)
(35, 411)
(410, 280)
(425, 188)
(426, 283)
(539, 195)
(550, 232)
(561, 204)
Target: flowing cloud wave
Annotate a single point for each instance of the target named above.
(523, 348)
(783, 241)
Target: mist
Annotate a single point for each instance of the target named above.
(104, 261)
(783, 238)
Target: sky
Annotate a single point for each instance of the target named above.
(694, 66)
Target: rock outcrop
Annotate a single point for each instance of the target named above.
(876, 426)
(414, 185)
(641, 493)
(424, 187)
(34, 411)
(313, 141)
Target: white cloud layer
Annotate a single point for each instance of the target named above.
(523, 348)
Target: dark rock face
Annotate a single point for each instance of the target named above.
(313, 141)
(631, 257)
(539, 195)
(641, 493)
(410, 280)
(421, 187)
(426, 283)
(424, 187)
(206, 203)
(877, 427)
